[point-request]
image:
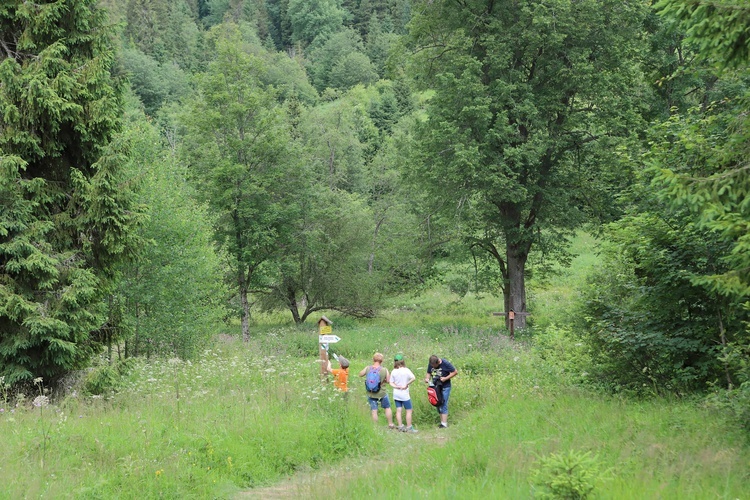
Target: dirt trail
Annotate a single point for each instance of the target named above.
(304, 484)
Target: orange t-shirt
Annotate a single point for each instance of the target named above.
(340, 378)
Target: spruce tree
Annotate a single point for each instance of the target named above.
(65, 216)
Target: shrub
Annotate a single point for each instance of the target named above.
(106, 378)
(571, 475)
(560, 348)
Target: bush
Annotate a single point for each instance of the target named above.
(106, 378)
(571, 475)
(736, 401)
(561, 349)
(458, 285)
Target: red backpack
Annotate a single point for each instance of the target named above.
(435, 394)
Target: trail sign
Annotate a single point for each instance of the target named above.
(328, 339)
(324, 338)
(511, 316)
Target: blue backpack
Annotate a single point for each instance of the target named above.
(372, 381)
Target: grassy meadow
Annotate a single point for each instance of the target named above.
(255, 421)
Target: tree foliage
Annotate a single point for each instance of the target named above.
(67, 216)
(650, 325)
(529, 100)
(314, 19)
(685, 242)
(721, 28)
(174, 297)
(235, 148)
(156, 84)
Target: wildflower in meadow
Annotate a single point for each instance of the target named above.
(40, 401)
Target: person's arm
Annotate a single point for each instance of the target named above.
(451, 374)
(411, 379)
(364, 371)
(391, 383)
(328, 366)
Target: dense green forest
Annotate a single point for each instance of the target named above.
(172, 169)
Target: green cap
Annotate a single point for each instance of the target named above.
(398, 357)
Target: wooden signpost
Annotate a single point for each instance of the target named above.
(511, 316)
(324, 338)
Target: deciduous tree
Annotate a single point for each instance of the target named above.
(236, 146)
(530, 97)
(174, 297)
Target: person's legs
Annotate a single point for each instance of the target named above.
(373, 408)
(386, 404)
(408, 407)
(399, 404)
(443, 409)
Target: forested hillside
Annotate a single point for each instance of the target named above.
(171, 169)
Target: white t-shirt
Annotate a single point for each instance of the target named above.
(401, 376)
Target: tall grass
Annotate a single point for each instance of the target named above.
(507, 422)
(247, 416)
(551, 297)
(235, 418)
(257, 420)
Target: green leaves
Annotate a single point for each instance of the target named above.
(237, 150)
(65, 216)
(530, 97)
(682, 253)
(720, 28)
(173, 297)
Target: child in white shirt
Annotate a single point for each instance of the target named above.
(401, 378)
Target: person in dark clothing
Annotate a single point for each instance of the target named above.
(441, 371)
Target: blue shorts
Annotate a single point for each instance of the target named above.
(443, 409)
(406, 404)
(384, 402)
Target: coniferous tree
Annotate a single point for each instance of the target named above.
(66, 216)
(145, 19)
(682, 252)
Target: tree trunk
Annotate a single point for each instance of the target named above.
(515, 296)
(291, 300)
(245, 316)
(137, 339)
(242, 282)
(371, 260)
(722, 336)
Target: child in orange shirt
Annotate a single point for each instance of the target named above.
(340, 376)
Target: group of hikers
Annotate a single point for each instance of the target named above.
(439, 373)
